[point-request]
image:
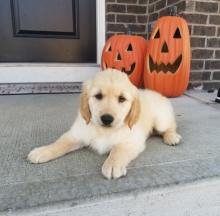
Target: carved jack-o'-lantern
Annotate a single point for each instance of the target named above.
(125, 53)
(167, 62)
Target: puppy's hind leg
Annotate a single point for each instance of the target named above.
(167, 128)
(171, 137)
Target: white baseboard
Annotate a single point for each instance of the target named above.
(46, 72)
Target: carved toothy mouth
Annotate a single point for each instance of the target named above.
(128, 72)
(164, 68)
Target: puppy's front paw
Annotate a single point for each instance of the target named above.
(40, 155)
(172, 138)
(113, 169)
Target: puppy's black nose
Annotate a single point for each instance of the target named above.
(107, 119)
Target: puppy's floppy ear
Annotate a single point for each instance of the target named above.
(84, 103)
(134, 113)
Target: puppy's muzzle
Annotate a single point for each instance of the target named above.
(107, 119)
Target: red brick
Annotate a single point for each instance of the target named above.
(197, 64)
(195, 18)
(137, 9)
(160, 4)
(204, 30)
(116, 28)
(137, 28)
(127, 1)
(116, 8)
(202, 54)
(143, 1)
(142, 19)
(217, 54)
(210, 7)
(197, 42)
(110, 17)
(216, 75)
(214, 19)
(151, 8)
(213, 42)
(126, 18)
(197, 76)
(212, 64)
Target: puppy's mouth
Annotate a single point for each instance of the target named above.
(106, 126)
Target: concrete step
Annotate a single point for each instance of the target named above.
(74, 182)
(199, 198)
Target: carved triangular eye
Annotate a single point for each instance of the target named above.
(177, 33)
(157, 35)
(118, 57)
(129, 47)
(109, 48)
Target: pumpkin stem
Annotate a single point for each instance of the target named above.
(173, 11)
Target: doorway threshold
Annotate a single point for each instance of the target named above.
(41, 78)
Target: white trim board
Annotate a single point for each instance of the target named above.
(100, 26)
(29, 73)
(55, 72)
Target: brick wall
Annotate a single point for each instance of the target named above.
(204, 21)
(123, 13)
(203, 17)
(158, 8)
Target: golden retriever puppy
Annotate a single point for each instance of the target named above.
(114, 117)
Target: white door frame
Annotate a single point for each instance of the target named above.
(57, 72)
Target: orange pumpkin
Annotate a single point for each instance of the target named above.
(167, 62)
(125, 53)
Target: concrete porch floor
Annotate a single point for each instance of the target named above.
(28, 121)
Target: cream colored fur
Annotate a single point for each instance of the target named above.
(134, 120)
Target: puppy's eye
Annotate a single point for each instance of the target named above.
(99, 96)
(121, 99)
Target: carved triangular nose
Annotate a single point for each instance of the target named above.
(165, 48)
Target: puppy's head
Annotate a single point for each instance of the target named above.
(110, 100)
